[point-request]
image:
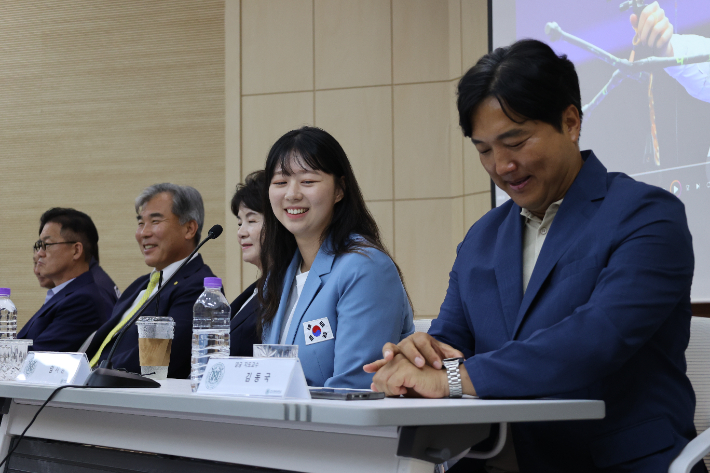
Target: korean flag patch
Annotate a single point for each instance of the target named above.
(317, 331)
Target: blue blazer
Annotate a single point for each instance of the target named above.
(176, 301)
(366, 305)
(606, 315)
(242, 327)
(69, 317)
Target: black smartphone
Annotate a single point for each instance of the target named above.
(344, 394)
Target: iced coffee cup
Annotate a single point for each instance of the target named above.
(155, 340)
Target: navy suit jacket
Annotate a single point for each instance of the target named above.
(176, 301)
(242, 328)
(606, 315)
(69, 317)
(103, 280)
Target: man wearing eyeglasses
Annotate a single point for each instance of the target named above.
(75, 306)
(109, 289)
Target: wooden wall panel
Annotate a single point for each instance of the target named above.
(97, 101)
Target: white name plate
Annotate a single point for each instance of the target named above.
(262, 377)
(55, 368)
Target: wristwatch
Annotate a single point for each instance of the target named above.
(454, 375)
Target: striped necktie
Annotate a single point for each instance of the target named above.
(151, 285)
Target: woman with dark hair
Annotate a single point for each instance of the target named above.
(328, 285)
(248, 207)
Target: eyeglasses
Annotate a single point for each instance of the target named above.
(40, 245)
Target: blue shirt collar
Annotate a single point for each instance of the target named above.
(56, 290)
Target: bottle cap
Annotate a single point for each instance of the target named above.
(213, 282)
(5, 291)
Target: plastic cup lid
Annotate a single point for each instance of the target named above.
(213, 282)
(5, 291)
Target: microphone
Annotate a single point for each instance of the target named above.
(106, 377)
(213, 233)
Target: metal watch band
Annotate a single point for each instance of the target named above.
(454, 376)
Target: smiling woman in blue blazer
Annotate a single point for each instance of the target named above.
(329, 285)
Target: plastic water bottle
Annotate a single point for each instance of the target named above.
(8, 315)
(210, 328)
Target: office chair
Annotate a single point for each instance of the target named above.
(698, 358)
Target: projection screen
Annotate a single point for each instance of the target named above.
(647, 120)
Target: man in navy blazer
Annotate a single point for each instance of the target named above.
(75, 305)
(108, 288)
(577, 288)
(101, 278)
(170, 220)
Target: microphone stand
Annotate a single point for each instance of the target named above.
(106, 377)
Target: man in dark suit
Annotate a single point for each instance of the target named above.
(75, 305)
(108, 288)
(577, 288)
(170, 220)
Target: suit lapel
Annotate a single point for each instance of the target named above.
(122, 306)
(188, 270)
(244, 313)
(509, 266)
(42, 310)
(80, 281)
(51, 303)
(241, 299)
(321, 266)
(274, 330)
(572, 217)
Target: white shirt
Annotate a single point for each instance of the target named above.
(56, 289)
(296, 288)
(167, 273)
(534, 237)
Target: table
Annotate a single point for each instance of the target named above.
(350, 436)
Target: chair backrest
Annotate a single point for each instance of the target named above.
(698, 357)
(422, 325)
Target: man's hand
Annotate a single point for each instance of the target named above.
(400, 377)
(419, 348)
(654, 30)
(413, 368)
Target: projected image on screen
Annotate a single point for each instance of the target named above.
(645, 93)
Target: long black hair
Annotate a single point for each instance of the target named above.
(318, 150)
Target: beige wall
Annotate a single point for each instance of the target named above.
(380, 76)
(100, 99)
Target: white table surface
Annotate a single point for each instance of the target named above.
(274, 433)
(175, 395)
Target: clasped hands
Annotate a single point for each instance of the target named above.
(413, 368)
